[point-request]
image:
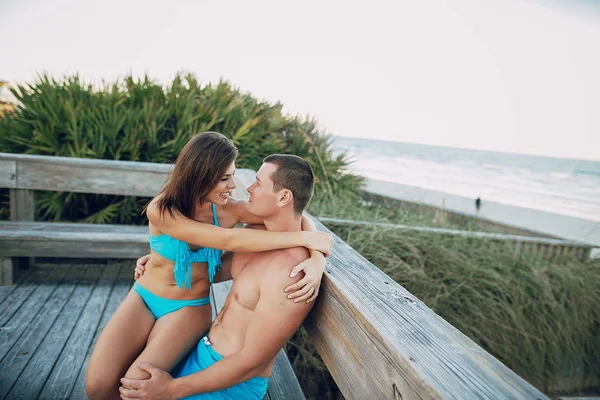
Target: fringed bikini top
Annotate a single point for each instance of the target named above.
(179, 252)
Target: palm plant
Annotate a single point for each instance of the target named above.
(141, 120)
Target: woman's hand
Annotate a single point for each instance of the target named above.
(140, 266)
(307, 288)
(320, 241)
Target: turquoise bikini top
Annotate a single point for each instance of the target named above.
(179, 252)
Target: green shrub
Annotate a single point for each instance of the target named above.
(140, 120)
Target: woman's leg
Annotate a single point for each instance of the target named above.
(172, 338)
(121, 341)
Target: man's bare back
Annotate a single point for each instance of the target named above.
(254, 275)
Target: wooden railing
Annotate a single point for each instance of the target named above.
(542, 248)
(377, 339)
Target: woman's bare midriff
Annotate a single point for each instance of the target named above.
(159, 279)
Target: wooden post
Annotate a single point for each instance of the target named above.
(22, 208)
(6, 271)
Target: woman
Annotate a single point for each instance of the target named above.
(168, 309)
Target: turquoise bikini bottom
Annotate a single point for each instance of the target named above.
(202, 357)
(160, 306)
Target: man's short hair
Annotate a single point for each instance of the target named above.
(294, 174)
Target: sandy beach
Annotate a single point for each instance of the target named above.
(562, 226)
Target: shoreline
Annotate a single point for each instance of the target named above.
(572, 228)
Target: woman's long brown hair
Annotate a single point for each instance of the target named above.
(200, 165)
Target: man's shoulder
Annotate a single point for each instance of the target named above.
(288, 257)
(279, 264)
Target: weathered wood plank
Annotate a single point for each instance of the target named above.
(20, 320)
(37, 326)
(5, 291)
(21, 205)
(30, 382)
(88, 180)
(73, 240)
(22, 208)
(457, 232)
(119, 291)
(64, 374)
(347, 353)
(8, 173)
(85, 175)
(18, 296)
(79, 237)
(67, 240)
(24, 171)
(73, 227)
(7, 271)
(78, 250)
(74, 162)
(283, 383)
(578, 398)
(379, 341)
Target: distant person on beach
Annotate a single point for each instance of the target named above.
(477, 205)
(168, 309)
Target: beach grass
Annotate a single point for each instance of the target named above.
(540, 318)
(361, 208)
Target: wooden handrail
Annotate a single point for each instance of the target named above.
(455, 232)
(544, 248)
(381, 342)
(81, 175)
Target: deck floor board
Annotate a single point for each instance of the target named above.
(119, 291)
(21, 344)
(29, 309)
(38, 369)
(5, 291)
(21, 293)
(63, 376)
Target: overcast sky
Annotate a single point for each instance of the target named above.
(508, 75)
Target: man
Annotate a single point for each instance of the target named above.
(236, 357)
(477, 205)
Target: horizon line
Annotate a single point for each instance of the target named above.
(471, 148)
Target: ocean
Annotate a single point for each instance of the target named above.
(561, 186)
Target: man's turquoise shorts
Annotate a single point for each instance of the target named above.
(202, 357)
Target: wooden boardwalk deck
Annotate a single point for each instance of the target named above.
(49, 321)
(51, 318)
(377, 339)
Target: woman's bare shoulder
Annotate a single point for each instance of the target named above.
(152, 209)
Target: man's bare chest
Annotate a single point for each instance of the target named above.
(245, 290)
